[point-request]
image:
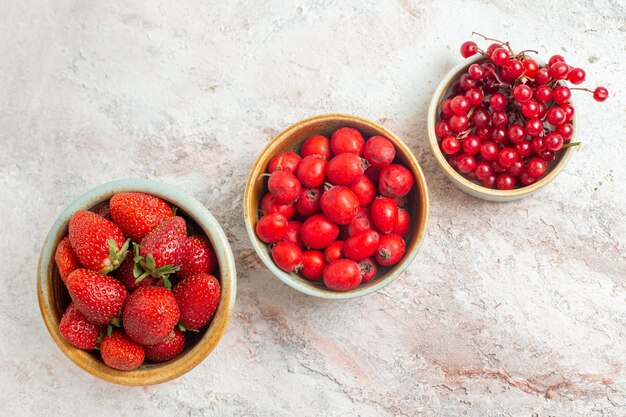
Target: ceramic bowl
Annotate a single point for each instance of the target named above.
(459, 180)
(291, 140)
(54, 298)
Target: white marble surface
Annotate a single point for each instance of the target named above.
(509, 310)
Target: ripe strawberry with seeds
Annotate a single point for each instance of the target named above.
(167, 349)
(77, 330)
(161, 251)
(198, 298)
(199, 257)
(150, 315)
(137, 214)
(126, 275)
(66, 259)
(120, 352)
(99, 297)
(98, 243)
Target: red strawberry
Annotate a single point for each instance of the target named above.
(150, 315)
(161, 251)
(167, 349)
(66, 259)
(99, 297)
(98, 243)
(119, 352)
(198, 297)
(199, 257)
(127, 277)
(137, 214)
(79, 331)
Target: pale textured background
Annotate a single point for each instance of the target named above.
(509, 310)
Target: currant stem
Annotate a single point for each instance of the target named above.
(581, 89)
(570, 145)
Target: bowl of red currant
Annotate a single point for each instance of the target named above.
(502, 124)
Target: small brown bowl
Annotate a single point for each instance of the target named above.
(291, 140)
(54, 298)
(459, 180)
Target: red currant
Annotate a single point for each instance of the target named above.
(483, 170)
(536, 167)
(543, 76)
(566, 130)
(559, 70)
(468, 49)
(489, 150)
(459, 123)
(450, 145)
(555, 116)
(561, 94)
(460, 105)
(554, 142)
(497, 101)
(467, 163)
(442, 129)
(543, 94)
(523, 149)
(516, 133)
(577, 76)
(530, 67)
(600, 94)
(481, 117)
(533, 127)
(530, 109)
(475, 97)
(499, 56)
(522, 93)
(554, 59)
(507, 157)
(471, 145)
(505, 181)
(476, 72)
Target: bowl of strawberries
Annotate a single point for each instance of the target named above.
(502, 124)
(336, 206)
(136, 282)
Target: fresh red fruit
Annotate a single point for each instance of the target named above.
(543, 76)
(600, 94)
(523, 149)
(317, 145)
(522, 93)
(530, 67)
(361, 245)
(309, 202)
(576, 76)
(334, 251)
(137, 214)
(536, 167)
(167, 349)
(368, 269)
(125, 274)
(554, 59)
(362, 221)
(287, 256)
(390, 249)
(489, 150)
(284, 186)
(384, 214)
(313, 264)
(198, 256)
(271, 228)
(450, 145)
(318, 231)
(475, 97)
(466, 163)
(292, 234)
(507, 157)
(66, 259)
(119, 352)
(342, 275)
(442, 129)
(569, 112)
(511, 70)
(269, 205)
(516, 168)
(499, 56)
(77, 330)
(347, 140)
(526, 179)
(566, 130)
(150, 314)
(163, 247)
(458, 123)
(404, 223)
(395, 181)
(345, 169)
(558, 70)
(555, 116)
(286, 161)
(489, 182)
(340, 204)
(364, 189)
(468, 49)
(483, 171)
(198, 298)
(98, 243)
(460, 105)
(471, 145)
(373, 173)
(379, 151)
(312, 171)
(554, 142)
(505, 181)
(561, 94)
(99, 297)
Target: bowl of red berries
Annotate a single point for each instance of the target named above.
(336, 206)
(136, 282)
(502, 124)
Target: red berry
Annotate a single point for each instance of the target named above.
(150, 314)
(481, 117)
(340, 204)
(364, 189)
(530, 109)
(269, 205)
(347, 140)
(522, 93)
(198, 298)
(536, 167)
(499, 135)
(379, 151)
(475, 72)
(576, 76)
(499, 56)
(99, 297)
(119, 352)
(404, 223)
(526, 179)
(287, 256)
(292, 235)
(465, 82)
(450, 145)
(530, 67)
(523, 149)
(516, 133)
(390, 250)
(467, 163)
(66, 259)
(489, 182)
(555, 115)
(507, 157)
(561, 94)
(543, 76)
(492, 48)
(468, 49)
(165, 245)
(516, 168)
(483, 170)
(554, 142)
(395, 181)
(460, 105)
(271, 228)
(446, 110)
(137, 214)
(362, 221)
(497, 101)
(318, 231)
(554, 59)
(334, 251)
(198, 256)
(342, 275)
(559, 70)
(361, 245)
(600, 94)
(543, 94)
(489, 150)
(511, 70)
(533, 127)
(284, 186)
(368, 269)
(471, 145)
(345, 169)
(499, 118)
(78, 330)
(167, 349)
(312, 171)
(566, 130)
(505, 181)
(442, 129)
(459, 123)
(317, 145)
(569, 112)
(286, 161)
(475, 97)
(384, 214)
(313, 264)
(537, 145)
(309, 202)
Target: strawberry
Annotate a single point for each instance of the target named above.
(127, 277)
(161, 251)
(79, 331)
(137, 214)
(99, 297)
(98, 243)
(199, 257)
(66, 259)
(119, 352)
(150, 315)
(198, 297)
(167, 349)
